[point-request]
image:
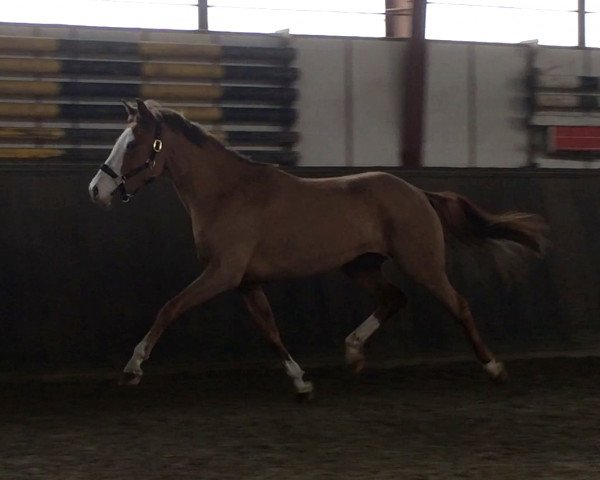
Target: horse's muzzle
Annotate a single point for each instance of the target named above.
(101, 202)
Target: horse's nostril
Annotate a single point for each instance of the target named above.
(95, 191)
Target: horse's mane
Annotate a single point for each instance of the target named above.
(191, 130)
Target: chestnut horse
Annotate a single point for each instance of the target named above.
(253, 223)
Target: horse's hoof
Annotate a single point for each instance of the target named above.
(358, 366)
(496, 371)
(304, 392)
(355, 360)
(128, 378)
(501, 377)
(305, 397)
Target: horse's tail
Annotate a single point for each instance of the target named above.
(509, 235)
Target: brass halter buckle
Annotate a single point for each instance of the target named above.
(157, 145)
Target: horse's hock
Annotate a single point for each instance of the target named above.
(60, 96)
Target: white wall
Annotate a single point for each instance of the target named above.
(377, 69)
(322, 106)
(446, 135)
(351, 101)
(353, 90)
(500, 137)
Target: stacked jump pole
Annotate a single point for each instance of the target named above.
(60, 98)
(563, 114)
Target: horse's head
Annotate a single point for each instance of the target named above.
(135, 158)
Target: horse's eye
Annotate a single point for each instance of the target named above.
(130, 145)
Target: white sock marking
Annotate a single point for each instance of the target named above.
(355, 341)
(494, 368)
(366, 329)
(296, 373)
(134, 365)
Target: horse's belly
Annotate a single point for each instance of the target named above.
(310, 253)
(263, 270)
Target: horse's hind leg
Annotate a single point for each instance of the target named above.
(366, 271)
(419, 250)
(459, 308)
(258, 305)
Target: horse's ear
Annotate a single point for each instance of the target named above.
(143, 110)
(130, 109)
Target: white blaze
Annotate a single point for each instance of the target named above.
(104, 183)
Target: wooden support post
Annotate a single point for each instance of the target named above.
(581, 23)
(414, 93)
(398, 18)
(202, 14)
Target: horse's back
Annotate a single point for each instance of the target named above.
(362, 198)
(391, 194)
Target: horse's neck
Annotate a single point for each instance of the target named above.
(200, 174)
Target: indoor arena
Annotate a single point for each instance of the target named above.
(372, 249)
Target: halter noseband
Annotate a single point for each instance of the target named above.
(148, 164)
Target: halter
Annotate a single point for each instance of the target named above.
(148, 164)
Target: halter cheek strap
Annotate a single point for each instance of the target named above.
(148, 164)
(156, 148)
(119, 181)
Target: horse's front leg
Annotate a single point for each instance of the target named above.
(258, 305)
(216, 278)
